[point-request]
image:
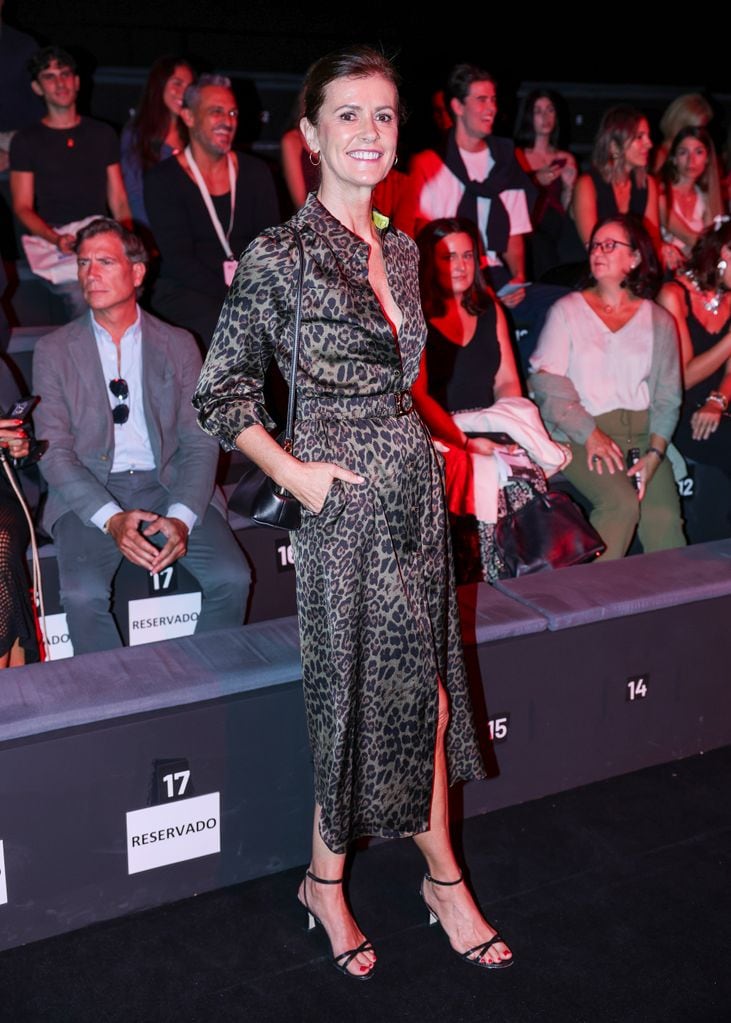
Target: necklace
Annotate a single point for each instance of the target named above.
(712, 304)
(609, 307)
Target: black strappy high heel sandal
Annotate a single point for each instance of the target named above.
(340, 962)
(475, 954)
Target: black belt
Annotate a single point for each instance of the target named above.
(362, 406)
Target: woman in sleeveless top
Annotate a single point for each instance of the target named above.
(700, 301)
(687, 206)
(468, 386)
(618, 181)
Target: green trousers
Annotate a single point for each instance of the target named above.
(616, 513)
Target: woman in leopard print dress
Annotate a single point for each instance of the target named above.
(382, 662)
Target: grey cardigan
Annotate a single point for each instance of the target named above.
(567, 419)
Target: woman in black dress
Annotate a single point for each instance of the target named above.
(469, 384)
(18, 643)
(383, 672)
(700, 301)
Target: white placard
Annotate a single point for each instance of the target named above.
(3, 879)
(59, 643)
(173, 832)
(155, 618)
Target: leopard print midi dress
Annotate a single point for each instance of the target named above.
(376, 600)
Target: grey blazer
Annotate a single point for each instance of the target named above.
(74, 416)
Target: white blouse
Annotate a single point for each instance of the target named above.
(609, 369)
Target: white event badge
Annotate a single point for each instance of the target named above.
(230, 262)
(229, 269)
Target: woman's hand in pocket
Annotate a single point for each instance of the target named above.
(310, 482)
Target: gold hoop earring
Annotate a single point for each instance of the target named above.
(318, 161)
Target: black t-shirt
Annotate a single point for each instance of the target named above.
(192, 255)
(69, 167)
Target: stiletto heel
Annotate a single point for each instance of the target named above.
(475, 954)
(340, 962)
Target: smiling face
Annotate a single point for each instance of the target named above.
(691, 160)
(57, 85)
(475, 115)
(356, 132)
(544, 116)
(175, 86)
(108, 278)
(454, 264)
(612, 266)
(213, 120)
(637, 148)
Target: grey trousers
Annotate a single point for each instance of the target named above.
(88, 560)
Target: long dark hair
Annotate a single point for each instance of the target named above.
(706, 255)
(669, 171)
(644, 281)
(478, 298)
(527, 132)
(151, 121)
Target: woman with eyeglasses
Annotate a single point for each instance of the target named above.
(606, 375)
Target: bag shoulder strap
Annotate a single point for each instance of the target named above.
(292, 399)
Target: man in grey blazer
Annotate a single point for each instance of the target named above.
(130, 474)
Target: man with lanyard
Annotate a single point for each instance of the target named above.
(205, 205)
(129, 472)
(477, 177)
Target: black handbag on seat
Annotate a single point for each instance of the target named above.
(548, 532)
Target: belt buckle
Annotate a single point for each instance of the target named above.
(404, 402)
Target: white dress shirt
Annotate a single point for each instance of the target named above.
(132, 448)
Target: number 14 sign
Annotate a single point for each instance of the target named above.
(637, 687)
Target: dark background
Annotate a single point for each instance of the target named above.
(265, 35)
(553, 44)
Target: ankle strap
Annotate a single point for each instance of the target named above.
(323, 880)
(445, 884)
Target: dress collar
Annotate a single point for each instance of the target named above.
(348, 247)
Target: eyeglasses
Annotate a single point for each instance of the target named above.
(609, 245)
(120, 413)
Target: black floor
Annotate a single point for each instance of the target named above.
(614, 897)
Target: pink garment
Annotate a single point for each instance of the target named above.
(473, 481)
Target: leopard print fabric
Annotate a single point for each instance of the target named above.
(375, 590)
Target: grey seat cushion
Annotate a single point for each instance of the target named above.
(611, 589)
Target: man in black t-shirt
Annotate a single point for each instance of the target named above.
(196, 251)
(66, 167)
